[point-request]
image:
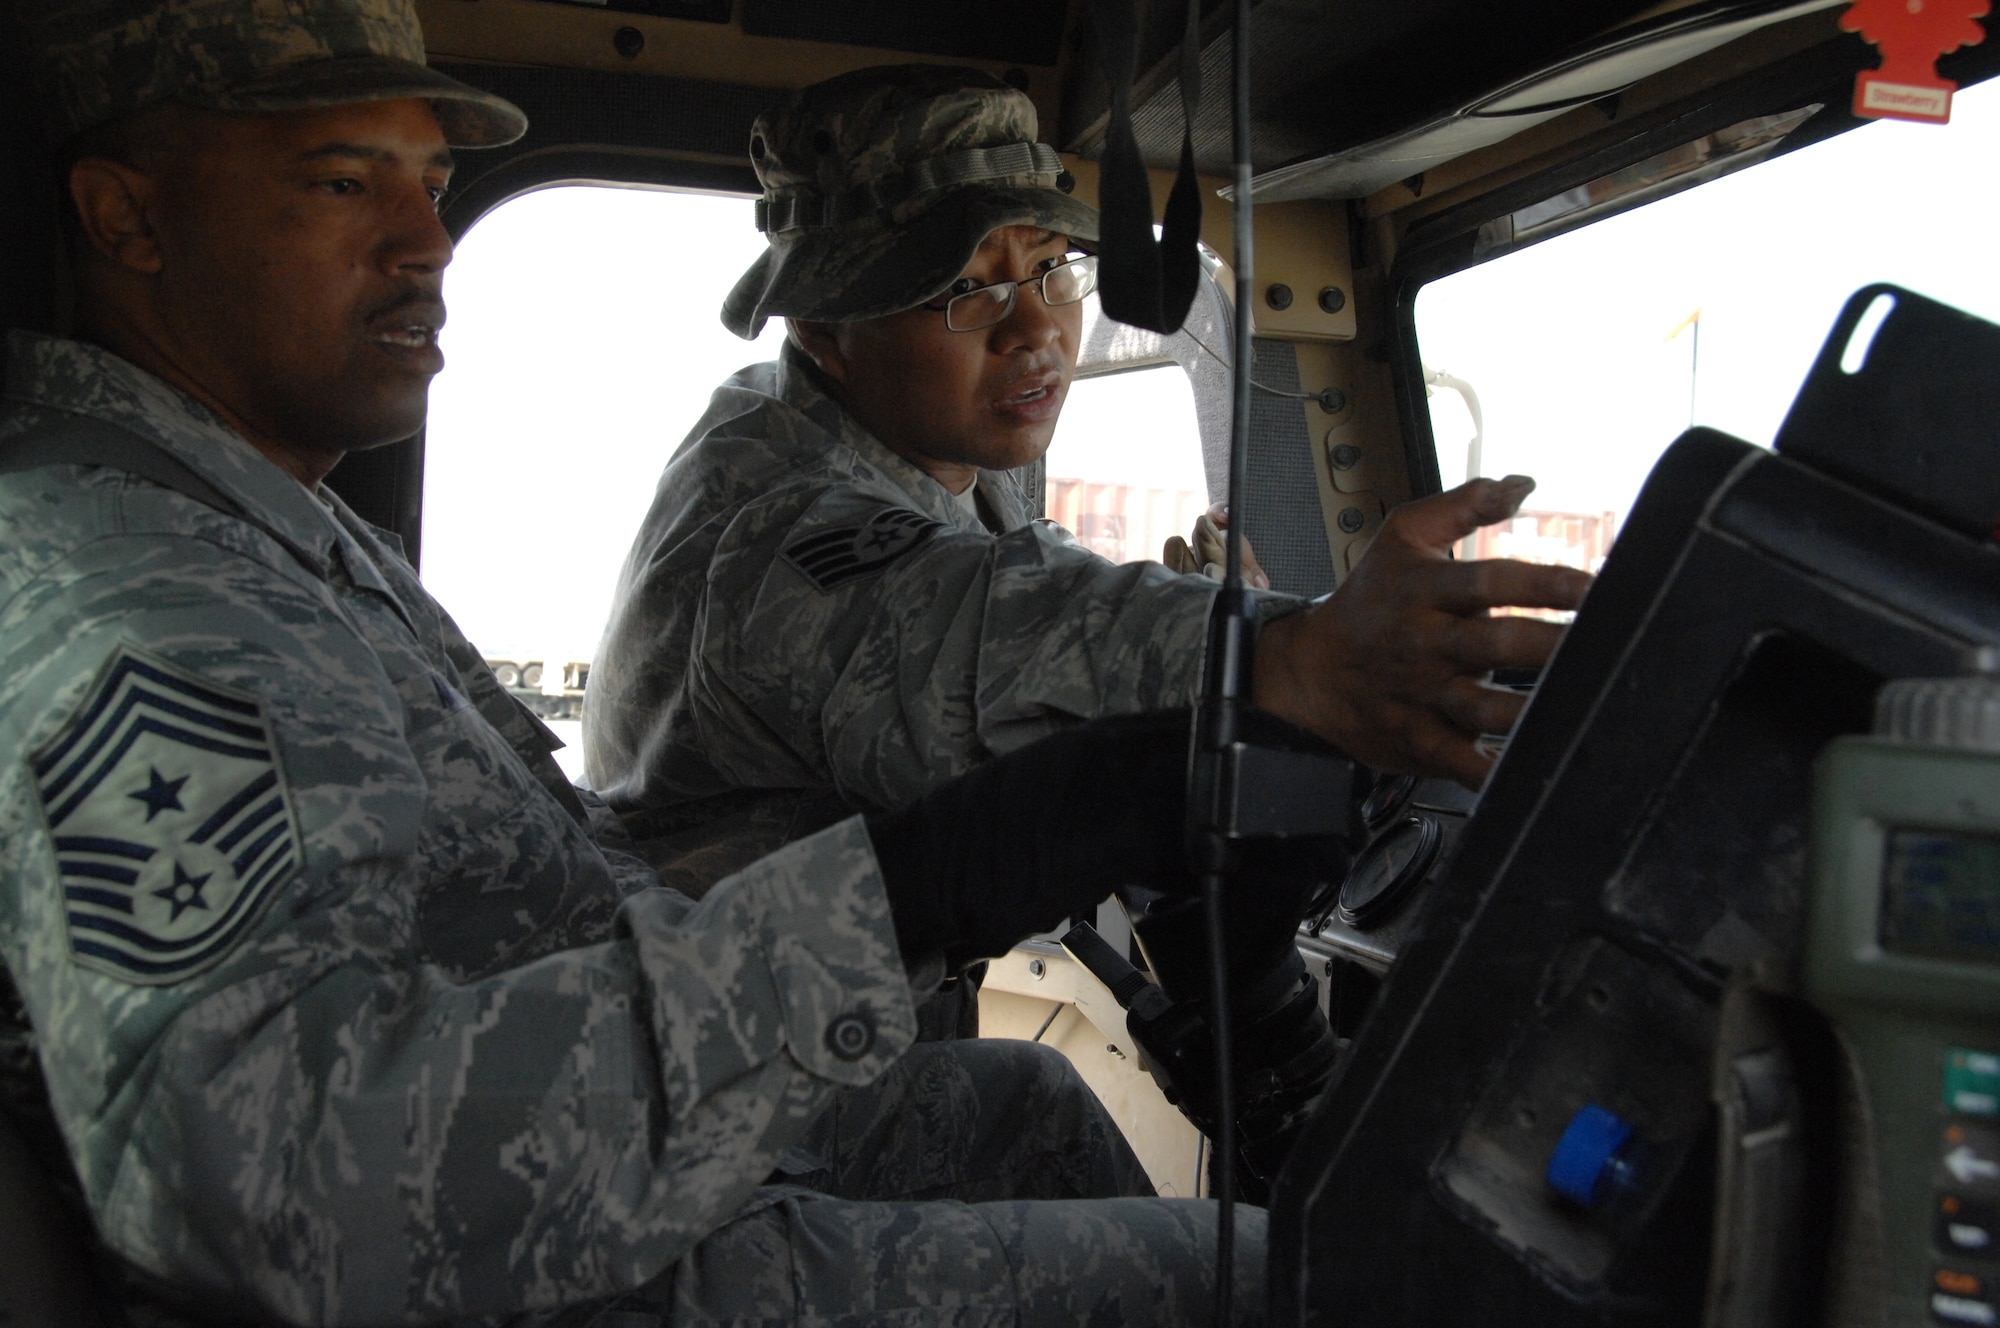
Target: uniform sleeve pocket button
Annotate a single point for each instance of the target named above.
(851, 1036)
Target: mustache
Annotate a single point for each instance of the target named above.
(416, 305)
(1035, 368)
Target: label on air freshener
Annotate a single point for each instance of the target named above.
(1902, 101)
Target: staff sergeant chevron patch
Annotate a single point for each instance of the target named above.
(171, 821)
(829, 558)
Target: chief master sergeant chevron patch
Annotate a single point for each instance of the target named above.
(170, 818)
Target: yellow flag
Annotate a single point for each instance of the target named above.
(1686, 323)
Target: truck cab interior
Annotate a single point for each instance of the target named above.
(1691, 1015)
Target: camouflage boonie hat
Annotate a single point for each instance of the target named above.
(95, 60)
(879, 186)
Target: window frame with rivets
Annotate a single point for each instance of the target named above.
(1287, 513)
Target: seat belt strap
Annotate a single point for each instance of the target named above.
(80, 440)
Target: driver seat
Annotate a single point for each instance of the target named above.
(45, 1279)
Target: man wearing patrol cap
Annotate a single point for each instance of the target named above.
(338, 1009)
(840, 596)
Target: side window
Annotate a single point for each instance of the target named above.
(1580, 358)
(583, 343)
(1125, 467)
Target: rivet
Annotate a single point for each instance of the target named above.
(1351, 520)
(1332, 300)
(1345, 457)
(1278, 295)
(628, 42)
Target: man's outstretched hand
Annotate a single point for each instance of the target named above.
(1391, 667)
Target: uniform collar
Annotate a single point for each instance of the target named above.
(75, 377)
(799, 387)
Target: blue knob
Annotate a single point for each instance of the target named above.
(1587, 1155)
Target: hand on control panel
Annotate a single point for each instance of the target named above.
(1391, 667)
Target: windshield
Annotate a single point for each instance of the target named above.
(1590, 352)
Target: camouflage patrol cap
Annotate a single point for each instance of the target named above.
(879, 186)
(95, 60)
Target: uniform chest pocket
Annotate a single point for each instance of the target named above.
(495, 853)
(493, 843)
(475, 778)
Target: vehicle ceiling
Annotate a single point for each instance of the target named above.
(1334, 82)
(1328, 74)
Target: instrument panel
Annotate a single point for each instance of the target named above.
(1354, 928)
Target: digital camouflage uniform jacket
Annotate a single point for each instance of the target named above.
(804, 609)
(343, 1014)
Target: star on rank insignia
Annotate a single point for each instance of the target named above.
(832, 557)
(171, 821)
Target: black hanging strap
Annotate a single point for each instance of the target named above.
(1142, 281)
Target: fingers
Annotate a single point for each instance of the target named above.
(1253, 571)
(1439, 749)
(1444, 738)
(1468, 588)
(1391, 667)
(1253, 575)
(1474, 709)
(1442, 520)
(1477, 646)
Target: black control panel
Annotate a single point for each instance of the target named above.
(1583, 1092)
(1965, 1231)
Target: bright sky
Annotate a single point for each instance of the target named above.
(1138, 427)
(1566, 341)
(584, 340)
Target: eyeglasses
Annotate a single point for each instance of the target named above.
(975, 309)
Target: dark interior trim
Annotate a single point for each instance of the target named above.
(559, 166)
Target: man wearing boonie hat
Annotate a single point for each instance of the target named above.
(841, 596)
(317, 988)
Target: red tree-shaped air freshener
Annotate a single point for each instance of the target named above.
(1911, 34)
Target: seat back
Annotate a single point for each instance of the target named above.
(45, 1277)
(31, 253)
